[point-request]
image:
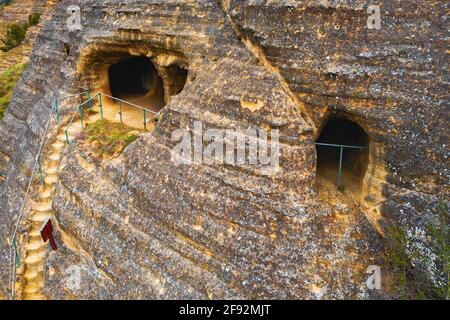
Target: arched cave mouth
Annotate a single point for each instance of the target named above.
(136, 79)
(178, 77)
(339, 131)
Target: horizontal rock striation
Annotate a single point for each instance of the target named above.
(18, 13)
(141, 227)
(390, 81)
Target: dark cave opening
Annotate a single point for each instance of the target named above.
(136, 79)
(354, 161)
(179, 78)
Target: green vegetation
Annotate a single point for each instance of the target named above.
(16, 32)
(8, 81)
(401, 253)
(33, 19)
(441, 245)
(4, 3)
(109, 139)
(398, 262)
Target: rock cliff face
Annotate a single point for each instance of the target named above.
(141, 227)
(18, 12)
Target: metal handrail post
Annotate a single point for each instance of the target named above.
(89, 98)
(341, 151)
(40, 170)
(145, 120)
(12, 258)
(16, 252)
(120, 111)
(81, 116)
(101, 105)
(57, 111)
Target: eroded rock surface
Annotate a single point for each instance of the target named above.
(140, 227)
(18, 13)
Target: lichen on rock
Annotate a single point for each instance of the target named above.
(138, 226)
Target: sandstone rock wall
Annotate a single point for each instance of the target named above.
(390, 81)
(141, 227)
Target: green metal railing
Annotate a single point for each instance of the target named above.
(143, 110)
(57, 101)
(120, 102)
(79, 109)
(55, 114)
(14, 256)
(341, 154)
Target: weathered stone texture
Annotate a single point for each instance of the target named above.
(18, 13)
(141, 227)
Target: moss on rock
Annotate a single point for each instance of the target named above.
(8, 80)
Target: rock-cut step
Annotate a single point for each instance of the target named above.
(51, 170)
(35, 248)
(34, 288)
(35, 235)
(40, 217)
(51, 179)
(35, 232)
(62, 138)
(59, 145)
(33, 275)
(43, 207)
(56, 156)
(47, 192)
(34, 296)
(35, 245)
(34, 257)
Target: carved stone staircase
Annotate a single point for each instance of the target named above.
(35, 249)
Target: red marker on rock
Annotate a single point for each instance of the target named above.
(47, 233)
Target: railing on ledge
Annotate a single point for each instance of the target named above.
(14, 256)
(100, 96)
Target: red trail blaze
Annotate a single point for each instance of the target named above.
(47, 233)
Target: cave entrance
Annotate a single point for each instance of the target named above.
(177, 77)
(136, 79)
(342, 154)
